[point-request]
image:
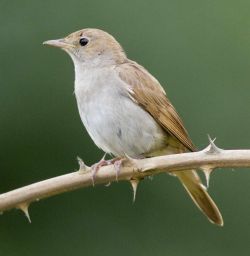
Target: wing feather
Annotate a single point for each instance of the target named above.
(147, 92)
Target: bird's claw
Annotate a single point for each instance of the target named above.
(95, 167)
(117, 162)
(117, 166)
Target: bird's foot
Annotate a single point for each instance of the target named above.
(95, 167)
(117, 166)
(117, 162)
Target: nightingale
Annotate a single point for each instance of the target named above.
(125, 110)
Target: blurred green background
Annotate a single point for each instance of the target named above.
(200, 52)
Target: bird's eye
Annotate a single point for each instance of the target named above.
(83, 41)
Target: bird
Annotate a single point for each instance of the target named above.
(126, 111)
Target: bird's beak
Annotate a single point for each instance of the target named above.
(60, 43)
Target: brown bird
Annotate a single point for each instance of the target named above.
(125, 109)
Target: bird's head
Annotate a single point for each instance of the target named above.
(91, 48)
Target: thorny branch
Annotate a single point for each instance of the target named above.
(132, 170)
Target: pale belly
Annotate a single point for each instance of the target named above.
(119, 126)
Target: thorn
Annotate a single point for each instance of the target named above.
(108, 184)
(207, 172)
(82, 165)
(103, 158)
(151, 177)
(204, 187)
(134, 183)
(212, 148)
(24, 207)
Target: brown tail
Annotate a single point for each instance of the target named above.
(201, 198)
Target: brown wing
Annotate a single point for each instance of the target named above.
(148, 93)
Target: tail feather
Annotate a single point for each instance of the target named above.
(199, 195)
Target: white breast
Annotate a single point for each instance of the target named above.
(115, 123)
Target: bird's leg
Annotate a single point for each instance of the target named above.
(117, 166)
(95, 167)
(117, 162)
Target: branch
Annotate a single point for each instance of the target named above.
(132, 170)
